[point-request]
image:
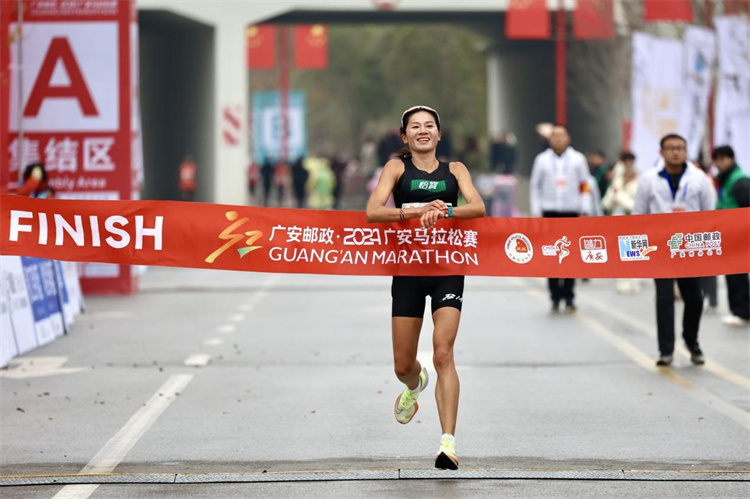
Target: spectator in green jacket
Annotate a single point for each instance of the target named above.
(734, 192)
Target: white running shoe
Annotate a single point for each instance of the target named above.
(406, 403)
(446, 458)
(733, 320)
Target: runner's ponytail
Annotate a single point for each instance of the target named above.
(402, 153)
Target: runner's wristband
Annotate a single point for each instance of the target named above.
(449, 212)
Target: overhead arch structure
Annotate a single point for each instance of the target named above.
(193, 53)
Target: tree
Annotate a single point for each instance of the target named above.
(375, 72)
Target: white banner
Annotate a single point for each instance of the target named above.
(732, 116)
(14, 284)
(8, 348)
(656, 91)
(67, 79)
(72, 284)
(700, 53)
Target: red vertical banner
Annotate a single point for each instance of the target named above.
(310, 46)
(528, 20)
(627, 134)
(284, 91)
(594, 19)
(561, 66)
(668, 10)
(261, 46)
(75, 107)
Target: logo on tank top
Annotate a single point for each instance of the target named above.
(428, 185)
(518, 248)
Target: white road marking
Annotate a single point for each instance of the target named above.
(36, 367)
(197, 360)
(256, 297)
(269, 283)
(645, 361)
(650, 330)
(115, 450)
(76, 492)
(213, 342)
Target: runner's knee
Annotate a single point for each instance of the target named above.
(404, 367)
(442, 357)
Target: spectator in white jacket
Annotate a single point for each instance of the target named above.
(620, 197)
(619, 200)
(560, 188)
(676, 187)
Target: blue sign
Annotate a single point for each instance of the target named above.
(267, 127)
(39, 305)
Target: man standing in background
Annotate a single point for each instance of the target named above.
(600, 170)
(676, 187)
(560, 188)
(734, 192)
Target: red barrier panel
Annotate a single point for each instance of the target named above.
(327, 242)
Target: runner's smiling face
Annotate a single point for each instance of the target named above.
(422, 132)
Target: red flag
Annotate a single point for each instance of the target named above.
(311, 46)
(261, 46)
(528, 19)
(668, 10)
(594, 19)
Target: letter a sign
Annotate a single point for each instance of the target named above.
(74, 104)
(68, 78)
(60, 51)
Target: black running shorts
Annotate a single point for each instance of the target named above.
(409, 293)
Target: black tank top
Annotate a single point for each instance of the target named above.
(418, 186)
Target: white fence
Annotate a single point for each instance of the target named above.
(38, 302)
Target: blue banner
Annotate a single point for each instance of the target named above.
(267, 128)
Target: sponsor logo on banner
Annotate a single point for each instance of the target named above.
(634, 248)
(559, 249)
(518, 248)
(694, 243)
(593, 249)
(233, 238)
